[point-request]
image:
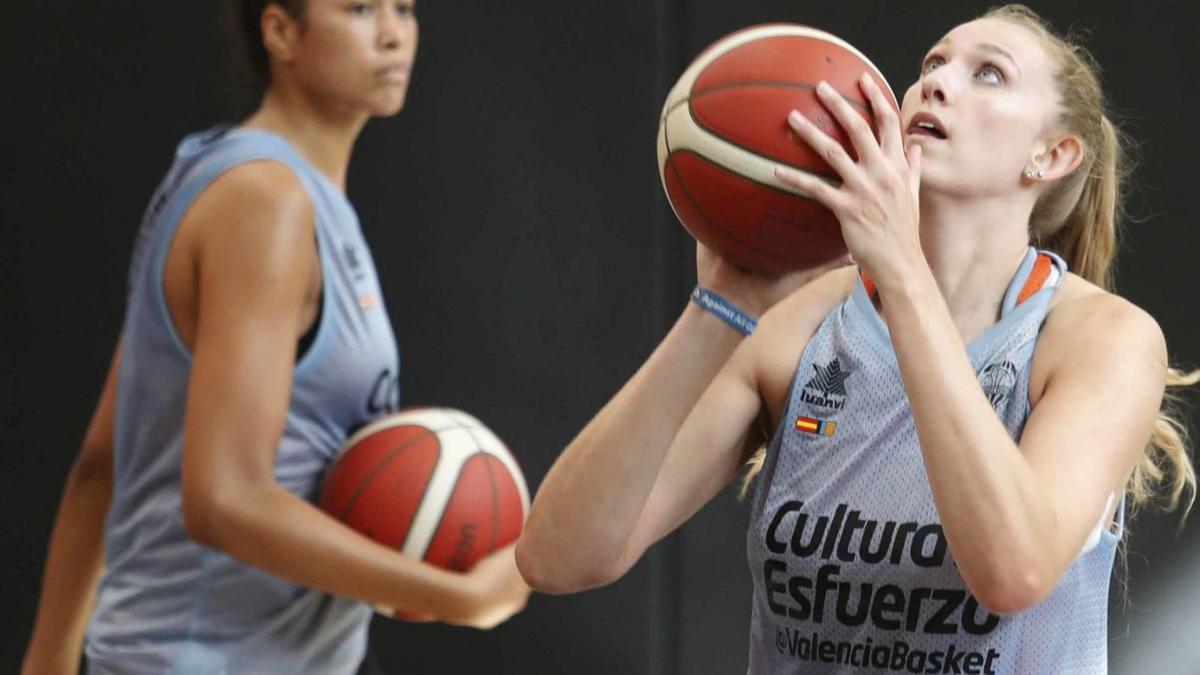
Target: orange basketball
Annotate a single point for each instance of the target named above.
(724, 129)
(432, 483)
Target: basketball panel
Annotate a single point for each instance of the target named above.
(456, 449)
(796, 60)
(683, 133)
(753, 117)
(511, 500)
(356, 463)
(384, 505)
(753, 225)
(467, 529)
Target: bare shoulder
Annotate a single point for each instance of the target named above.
(785, 330)
(249, 237)
(1089, 327)
(252, 227)
(250, 201)
(1085, 313)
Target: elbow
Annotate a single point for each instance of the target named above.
(197, 519)
(1013, 588)
(554, 575)
(206, 515)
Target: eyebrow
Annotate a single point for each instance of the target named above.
(988, 47)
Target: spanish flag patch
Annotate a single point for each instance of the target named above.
(814, 426)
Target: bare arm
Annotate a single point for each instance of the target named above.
(632, 475)
(255, 223)
(1016, 516)
(75, 558)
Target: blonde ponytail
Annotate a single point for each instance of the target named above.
(1165, 473)
(1078, 220)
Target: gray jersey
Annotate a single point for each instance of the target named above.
(851, 568)
(166, 604)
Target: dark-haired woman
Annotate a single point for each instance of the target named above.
(255, 338)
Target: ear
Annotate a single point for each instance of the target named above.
(1061, 158)
(280, 32)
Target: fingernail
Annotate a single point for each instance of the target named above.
(866, 80)
(824, 87)
(796, 118)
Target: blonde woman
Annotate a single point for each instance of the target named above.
(955, 423)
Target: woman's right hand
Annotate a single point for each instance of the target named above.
(496, 590)
(754, 292)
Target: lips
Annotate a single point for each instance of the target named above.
(393, 72)
(927, 124)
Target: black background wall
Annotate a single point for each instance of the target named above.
(529, 262)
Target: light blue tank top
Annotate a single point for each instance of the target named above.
(852, 572)
(166, 604)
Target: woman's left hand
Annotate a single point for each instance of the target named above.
(877, 202)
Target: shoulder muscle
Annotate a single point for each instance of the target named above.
(256, 211)
(1091, 330)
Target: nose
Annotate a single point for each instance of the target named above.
(934, 86)
(395, 29)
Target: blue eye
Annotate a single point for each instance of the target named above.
(990, 74)
(931, 64)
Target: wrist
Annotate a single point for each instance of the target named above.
(724, 309)
(468, 597)
(911, 285)
(893, 272)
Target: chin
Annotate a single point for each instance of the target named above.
(387, 107)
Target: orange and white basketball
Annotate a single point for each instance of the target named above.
(432, 483)
(724, 129)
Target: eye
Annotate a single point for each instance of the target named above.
(990, 74)
(931, 64)
(362, 8)
(405, 9)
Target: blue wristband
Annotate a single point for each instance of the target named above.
(723, 309)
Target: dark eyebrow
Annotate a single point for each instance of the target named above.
(987, 47)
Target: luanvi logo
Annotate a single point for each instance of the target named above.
(827, 388)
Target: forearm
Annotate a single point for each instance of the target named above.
(591, 499)
(991, 504)
(276, 531)
(74, 562)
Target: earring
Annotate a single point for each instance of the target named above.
(1031, 174)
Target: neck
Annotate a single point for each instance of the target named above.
(973, 249)
(322, 134)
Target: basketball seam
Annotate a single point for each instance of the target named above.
(487, 465)
(362, 485)
(750, 34)
(386, 422)
(764, 83)
(753, 151)
(704, 214)
(433, 534)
